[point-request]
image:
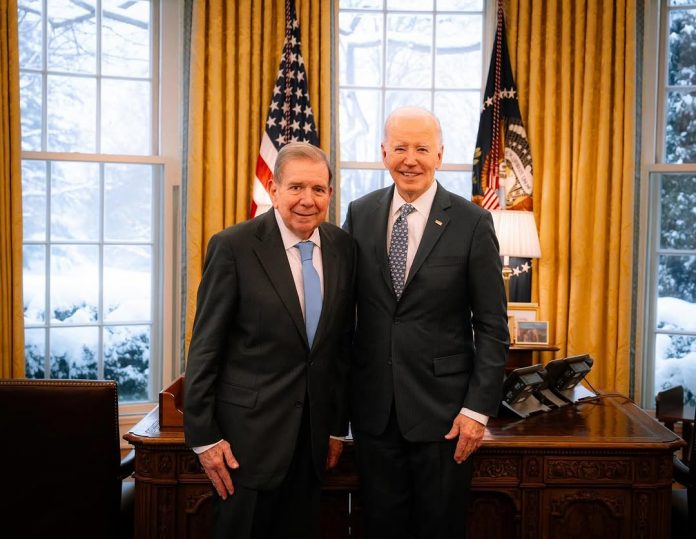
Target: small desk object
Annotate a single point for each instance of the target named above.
(600, 468)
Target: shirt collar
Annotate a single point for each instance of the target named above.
(290, 239)
(422, 204)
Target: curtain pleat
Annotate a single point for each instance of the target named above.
(575, 69)
(236, 49)
(11, 305)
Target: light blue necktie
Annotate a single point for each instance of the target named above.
(398, 247)
(312, 290)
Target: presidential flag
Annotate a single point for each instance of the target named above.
(290, 117)
(502, 173)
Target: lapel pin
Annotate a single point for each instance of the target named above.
(438, 222)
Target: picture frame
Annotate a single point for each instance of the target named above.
(512, 328)
(532, 332)
(523, 311)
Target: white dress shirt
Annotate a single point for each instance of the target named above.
(416, 227)
(290, 241)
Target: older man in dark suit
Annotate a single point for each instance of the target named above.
(431, 338)
(264, 387)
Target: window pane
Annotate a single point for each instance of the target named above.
(74, 201)
(30, 31)
(126, 38)
(360, 121)
(681, 63)
(74, 284)
(678, 211)
(34, 200)
(356, 183)
(413, 5)
(127, 283)
(72, 36)
(34, 283)
(456, 181)
(125, 117)
(409, 51)
(72, 106)
(30, 110)
(127, 360)
(35, 353)
(680, 136)
(675, 363)
(456, 110)
(458, 51)
(676, 278)
(360, 57)
(459, 5)
(394, 99)
(73, 352)
(127, 202)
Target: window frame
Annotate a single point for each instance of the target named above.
(648, 211)
(166, 116)
(488, 13)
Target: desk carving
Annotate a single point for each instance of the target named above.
(599, 469)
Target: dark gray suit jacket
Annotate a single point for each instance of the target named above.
(249, 368)
(443, 346)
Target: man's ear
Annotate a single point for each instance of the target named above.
(272, 188)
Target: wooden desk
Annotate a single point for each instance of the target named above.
(598, 469)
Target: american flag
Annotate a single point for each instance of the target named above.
(290, 117)
(502, 160)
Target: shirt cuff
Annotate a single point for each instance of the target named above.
(201, 448)
(483, 419)
(339, 438)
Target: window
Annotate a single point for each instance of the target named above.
(409, 52)
(95, 185)
(669, 178)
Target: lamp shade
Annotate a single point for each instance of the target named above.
(517, 233)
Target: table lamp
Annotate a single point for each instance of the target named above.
(517, 236)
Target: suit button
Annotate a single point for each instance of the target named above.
(389, 362)
(298, 404)
(397, 321)
(311, 363)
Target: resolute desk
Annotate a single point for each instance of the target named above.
(600, 469)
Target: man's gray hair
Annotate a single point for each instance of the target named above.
(299, 150)
(412, 111)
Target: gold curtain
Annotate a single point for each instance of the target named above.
(235, 55)
(575, 70)
(11, 306)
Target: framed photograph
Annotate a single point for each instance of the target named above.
(532, 332)
(523, 311)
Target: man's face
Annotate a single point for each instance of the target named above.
(302, 196)
(412, 152)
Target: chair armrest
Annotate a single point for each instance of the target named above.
(681, 472)
(127, 466)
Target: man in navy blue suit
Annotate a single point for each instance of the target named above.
(431, 339)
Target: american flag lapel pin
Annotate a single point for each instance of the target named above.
(438, 222)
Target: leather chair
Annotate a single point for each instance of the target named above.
(61, 466)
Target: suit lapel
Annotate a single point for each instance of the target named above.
(271, 254)
(437, 222)
(382, 219)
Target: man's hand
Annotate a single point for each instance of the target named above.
(470, 434)
(335, 450)
(215, 462)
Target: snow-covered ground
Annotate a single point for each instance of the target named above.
(675, 355)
